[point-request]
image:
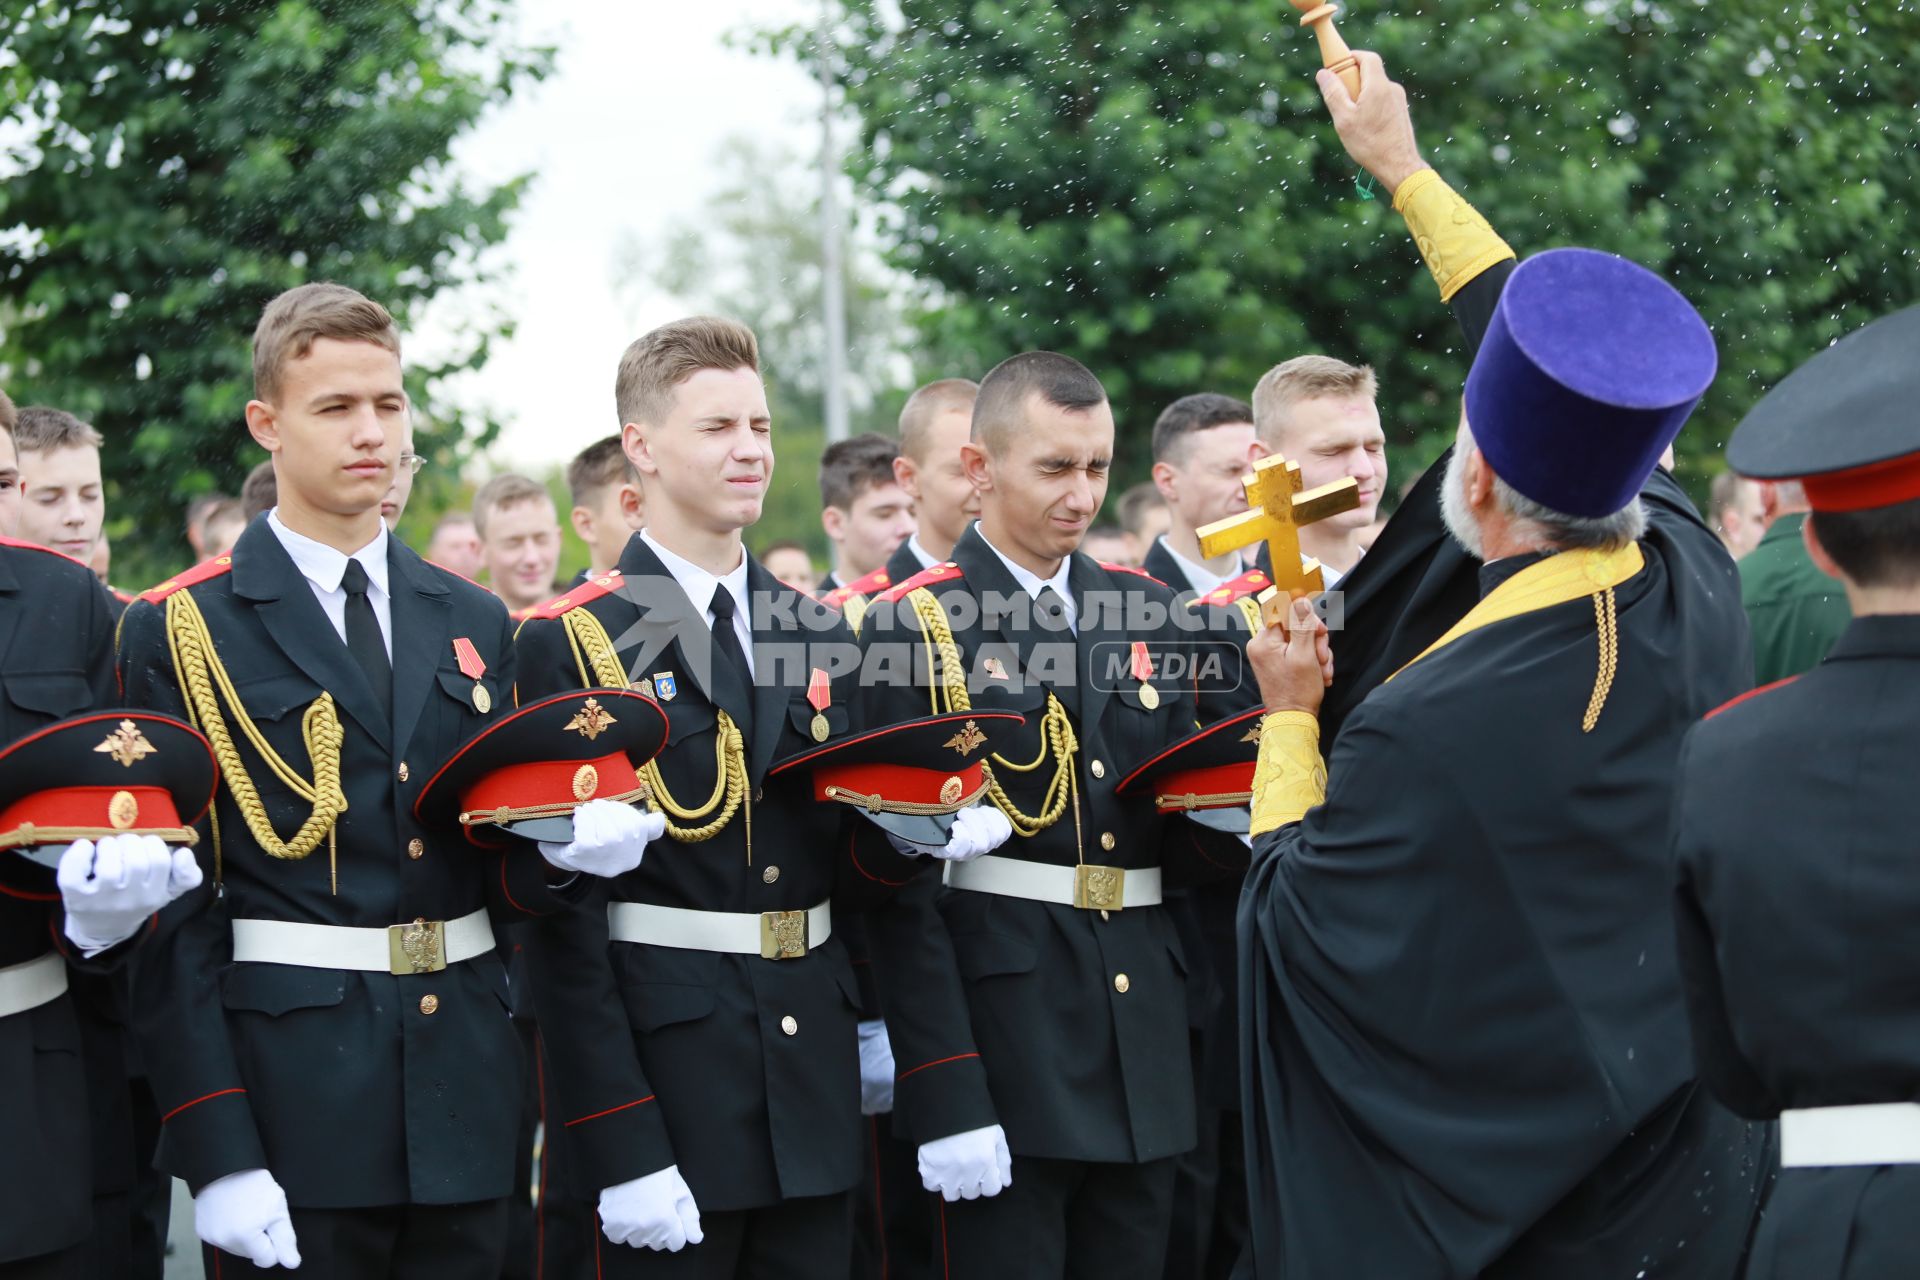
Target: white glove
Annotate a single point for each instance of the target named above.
(876, 1069)
(967, 1165)
(609, 838)
(245, 1214)
(654, 1212)
(977, 829)
(110, 888)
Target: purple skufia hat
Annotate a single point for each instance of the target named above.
(1589, 368)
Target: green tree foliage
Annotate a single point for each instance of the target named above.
(171, 166)
(1155, 188)
(756, 256)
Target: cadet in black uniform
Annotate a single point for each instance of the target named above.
(1794, 838)
(719, 1124)
(1073, 969)
(56, 649)
(325, 1020)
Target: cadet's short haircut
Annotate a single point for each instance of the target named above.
(928, 403)
(851, 467)
(448, 520)
(298, 318)
(656, 363)
(226, 509)
(784, 544)
(1304, 378)
(260, 492)
(504, 491)
(1878, 547)
(40, 429)
(7, 415)
(595, 468)
(1132, 508)
(1723, 493)
(1060, 381)
(198, 508)
(1174, 428)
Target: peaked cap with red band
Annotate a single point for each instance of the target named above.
(527, 772)
(106, 773)
(1207, 775)
(1844, 423)
(909, 779)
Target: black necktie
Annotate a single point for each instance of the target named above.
(726, 640)
(364, 641)
(1051, 607)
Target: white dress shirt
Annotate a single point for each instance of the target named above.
(1033, 584)
(1202, 579)
(699, 585)
(323, 568)
(920, 552)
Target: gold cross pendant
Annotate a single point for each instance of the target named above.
(1277, 510)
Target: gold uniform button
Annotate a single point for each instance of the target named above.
(403, 771)
(1097, 769)
(416, 847)
(1121, 982)
(429, 1003)
(790, 1025)
(1106, 841)
(769, 875)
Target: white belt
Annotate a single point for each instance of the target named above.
(771, 935)
(1093, 888)
(32, 983)
(1873, 1133)
(425, 946)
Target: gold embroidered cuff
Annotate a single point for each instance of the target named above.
(1289, 777)
(1456, 241)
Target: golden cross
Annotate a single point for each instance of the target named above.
(1277, 510)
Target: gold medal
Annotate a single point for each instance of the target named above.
(1149, 696)
(482, 700)
(819, 727)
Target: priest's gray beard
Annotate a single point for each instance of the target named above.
(1453, 500)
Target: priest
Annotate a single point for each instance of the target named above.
(1466, 1051)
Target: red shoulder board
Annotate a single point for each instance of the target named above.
(202, 572)
(1751, 693)
(590, 590)
(946, 571)
(23, 545)
(1250, 583)
(873, 584)
(124, 597)
(1127, 568)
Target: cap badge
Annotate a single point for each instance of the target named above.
(586, 781)
(123, 810)
(950, 790)
(591, 720)
(968, 740)
(127, 745)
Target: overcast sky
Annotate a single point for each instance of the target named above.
(622, 139)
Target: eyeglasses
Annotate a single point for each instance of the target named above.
(412, 462)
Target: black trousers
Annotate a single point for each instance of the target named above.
(892, 1211)
(400, 1242)
(1061, 1218)
(807, 1239)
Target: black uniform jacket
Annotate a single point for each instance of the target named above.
(741, 1070)
(352, 1088)
(1082, 1065)
(1468, 1049)
(1798, 893)
(56, 647)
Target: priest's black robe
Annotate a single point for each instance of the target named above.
(1467, 1053)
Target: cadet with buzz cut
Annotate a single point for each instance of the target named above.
(1071, 965)
(325, 1019)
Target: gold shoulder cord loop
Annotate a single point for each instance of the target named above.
(204, 681)
(1250, 610)
(948, 676)
(593, 647)
(1606, 621)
